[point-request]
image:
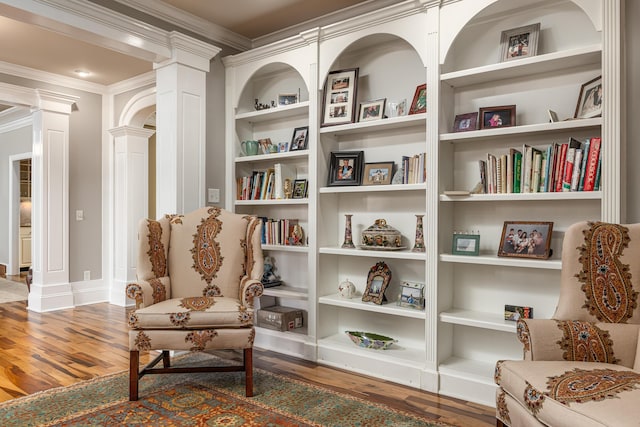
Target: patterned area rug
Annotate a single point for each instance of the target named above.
(202, 399)
(12, 291)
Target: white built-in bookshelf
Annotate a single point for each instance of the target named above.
(452, 345)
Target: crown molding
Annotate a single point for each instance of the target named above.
(51, 78)
(272, 49)
(15, 118)
(146, 79)
(188, 21)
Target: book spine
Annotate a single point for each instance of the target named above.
(499, 175)
(536, 170)
(577, 165)
(510, 173)
(596, 186)
(592, 164)
(548, 161)
(568, 169)
(585, 155)
(560, 167)
(543, 171)
(528, 160)
(517, 171)
(482, 165)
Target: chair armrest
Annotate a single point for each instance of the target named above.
(576, 340)
(250, 289)
(146, 293)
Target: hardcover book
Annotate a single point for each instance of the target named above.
(592, 164)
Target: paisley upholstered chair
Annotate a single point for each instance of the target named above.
(581, 368)
(197, 277)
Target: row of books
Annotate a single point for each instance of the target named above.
(279, 231)
(414, 169)
(570, 166)
(265, 184)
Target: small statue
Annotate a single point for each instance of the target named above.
(269, 277)
(288, 189)
(297, 236)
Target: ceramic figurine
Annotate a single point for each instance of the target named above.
(347, 289)
(348, 237)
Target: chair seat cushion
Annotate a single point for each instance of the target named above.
(573, 393)
(192, 313)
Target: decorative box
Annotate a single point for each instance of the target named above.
(280, 318)
(380, 235)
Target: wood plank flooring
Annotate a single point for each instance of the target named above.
(39, 351)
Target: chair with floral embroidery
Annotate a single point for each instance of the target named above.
(197, 276)
(581, 368)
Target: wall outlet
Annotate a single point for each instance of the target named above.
(87, 275)
(213, 195)
(79, 215)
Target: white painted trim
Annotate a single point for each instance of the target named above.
(50, 78)
(89, 292)
(15, 118)
(133, 83)
(138, 108)
(13, 264)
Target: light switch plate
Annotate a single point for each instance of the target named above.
(213, 195)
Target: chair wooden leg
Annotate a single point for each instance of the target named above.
(134, 362)
(499, 423)
(248, 369)
(166, 360)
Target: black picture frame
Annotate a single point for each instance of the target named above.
(526, 239)
(339, 97)
(345, 168)
(590, 99)
(300, 189)
(299, 139)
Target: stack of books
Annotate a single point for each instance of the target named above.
(414, 169)
(570, 166)
(265, 184)
(278, 231)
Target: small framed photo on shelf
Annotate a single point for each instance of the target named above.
(590, 99)
(283, 147)
(299, 139)
(497, 117)
(371, 110)
(345, 168)
(419, 103)
(465, 122)
(340, 90)
(521, 42)
(299, 189)
(517, 312)
(526, 239)
(466, 244)
(265, 145)
(377, 282)
(411, 295)
(553, 116)
(287, 99)
(377, 173)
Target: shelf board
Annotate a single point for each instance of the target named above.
(273, 157)
(468, 368)
(297, 335)
(284, 291)
(373, 188)
(549, 62)
(357, 304)
(285, 248)
(279, 112)
(573, 195)
(478, 319)
(404, 254)
(267, 202)
(550, 264)
(396, 353)
(537, 128)
(377, 125)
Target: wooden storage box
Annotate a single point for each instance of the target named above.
(280, 318)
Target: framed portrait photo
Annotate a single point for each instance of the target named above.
(411, 295)
(300, 189)
(299, 139)
(340, 90)
(345, 168)
(377, 173)
(497, 117)
(465, 122)
(371, 110)
(521, 42)
(526, 239)
(466, 244)
(287, 99)
(377, 282)
(419, 103)
(590, 99)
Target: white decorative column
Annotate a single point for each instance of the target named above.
(181, 125)
(50, 289)
(131, 201)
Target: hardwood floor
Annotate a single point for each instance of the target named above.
(39, 351)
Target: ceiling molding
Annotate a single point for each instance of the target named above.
(267, 51)
(51, 78)
(15, 118)
(188, 21)
(134, 83)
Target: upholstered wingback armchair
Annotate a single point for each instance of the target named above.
(581, 368)
(197, 277)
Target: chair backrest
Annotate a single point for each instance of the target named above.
(600, 273)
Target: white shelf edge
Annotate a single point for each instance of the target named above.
(285, 248)
(522, 129)
(358, 304)
(478, 319)
(461, 367)
(273, 157)
(396, 353)
(297, 335)
(274, 113)
(376, 125)
(550, 264)
(404, 254)
(271, 202)
(374, 188)
(573, 195)
(284, 291)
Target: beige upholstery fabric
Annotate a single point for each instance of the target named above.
(581, 368)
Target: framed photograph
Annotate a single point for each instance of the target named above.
(466, 244)
(521, 42)
(528, 239)
(517, 312)
(377, 282)
(411, 295)
(287, 98)
(553, 116)
(340, 90)
(265, 145)
(283, 147)
(345, 168)
(299, 139)
(497, 117)
(371, 110)
(419, 103)
(299, 189)
(465, 122)
(377, 173)
(590, 99)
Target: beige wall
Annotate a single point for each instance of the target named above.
(632, 88)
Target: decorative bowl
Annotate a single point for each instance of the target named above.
(370, 340)
(380, 235)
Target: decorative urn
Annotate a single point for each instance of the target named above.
(347, 289)
(380, 235)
